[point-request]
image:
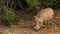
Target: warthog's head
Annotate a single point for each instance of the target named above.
(38, 23)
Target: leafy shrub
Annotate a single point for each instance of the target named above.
(10, 17)
(33, 3)
(46, 3)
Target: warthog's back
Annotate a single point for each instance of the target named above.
(46, 13)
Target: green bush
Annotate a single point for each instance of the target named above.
(33, 3)
(36, 5)
(47, 3)
(10, 17)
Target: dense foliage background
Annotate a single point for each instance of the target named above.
(24, 4)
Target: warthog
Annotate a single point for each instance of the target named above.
(43, 16)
